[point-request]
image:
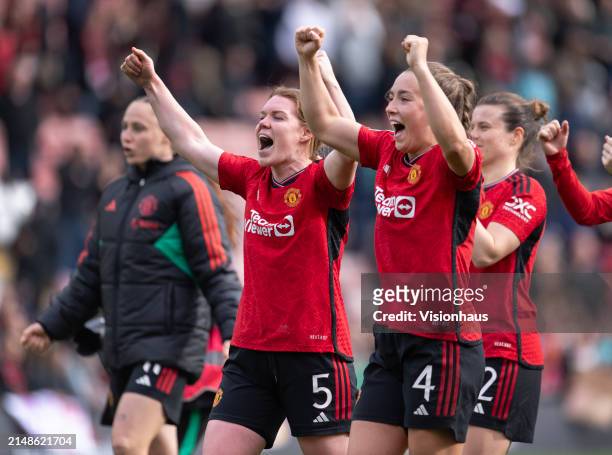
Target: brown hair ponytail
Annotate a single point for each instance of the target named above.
(460, 91)
(520, 113)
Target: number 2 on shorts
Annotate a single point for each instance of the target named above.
(489, 383)
(320, 389)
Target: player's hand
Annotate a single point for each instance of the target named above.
(553, 136)
(138, 66)
(34, 338)
(226, 348)
(606, 154)
(327, 72)
(416, 50)
(308, 40)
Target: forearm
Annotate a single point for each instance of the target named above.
(483, 252)
(317, 103)
(337, 95)
(587, 208)
(185, 135)
(443, 120)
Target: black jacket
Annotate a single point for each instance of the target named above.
(157, 261)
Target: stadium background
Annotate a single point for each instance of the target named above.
(61, 100)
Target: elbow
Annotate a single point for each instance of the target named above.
(459, 155)
(483, 261)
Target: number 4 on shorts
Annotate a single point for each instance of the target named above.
(424, 382)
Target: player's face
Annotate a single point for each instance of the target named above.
(489, 133)
(141, 137)
(406, 113)
(281, 136)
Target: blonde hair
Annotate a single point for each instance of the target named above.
(293, 94)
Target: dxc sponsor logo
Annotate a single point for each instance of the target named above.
(397, 206)
(520, 208)
(260, 226)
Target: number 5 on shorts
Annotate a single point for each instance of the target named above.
(424, 382)
(320, 389)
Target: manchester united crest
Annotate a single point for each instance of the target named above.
(486, 209)
(415, 174)
(218, 397)
(293, 196)
(148, 205)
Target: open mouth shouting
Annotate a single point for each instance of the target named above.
(398, 128)
(265, 142)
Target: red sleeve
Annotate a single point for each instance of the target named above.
(523, 211)
(585, 207)
(371, 143)
(472, 178)
(235, 171)
(333, 197)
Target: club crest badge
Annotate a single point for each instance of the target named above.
(486, 209)
(415, 174)
(292, 197)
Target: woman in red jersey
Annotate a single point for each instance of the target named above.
(427, 191)
(291, 353)
(587, 208)
(511, 224)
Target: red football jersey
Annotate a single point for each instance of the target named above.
(586, 207)
(294, 237)
(426, 214)
(518, 203)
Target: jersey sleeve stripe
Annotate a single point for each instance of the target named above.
(208, 219)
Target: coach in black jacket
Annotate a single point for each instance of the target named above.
(157, 262)
(153, 239)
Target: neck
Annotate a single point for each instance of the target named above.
(492, 172)
(281, 171)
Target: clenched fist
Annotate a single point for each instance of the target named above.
(553, 136)
(606, 154)
(308, 40)
(138, 66)
(416, 50)
(34, 338)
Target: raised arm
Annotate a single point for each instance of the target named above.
(339, 168)
(317, 102)
(585, 207)
(443, 120)
(186, 136)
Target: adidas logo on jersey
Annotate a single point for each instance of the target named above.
(321, 418)
(144, 380)
(421, 411)
(479, 409)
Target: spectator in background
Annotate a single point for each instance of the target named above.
(158, 233)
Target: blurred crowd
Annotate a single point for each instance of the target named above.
(62, 97)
